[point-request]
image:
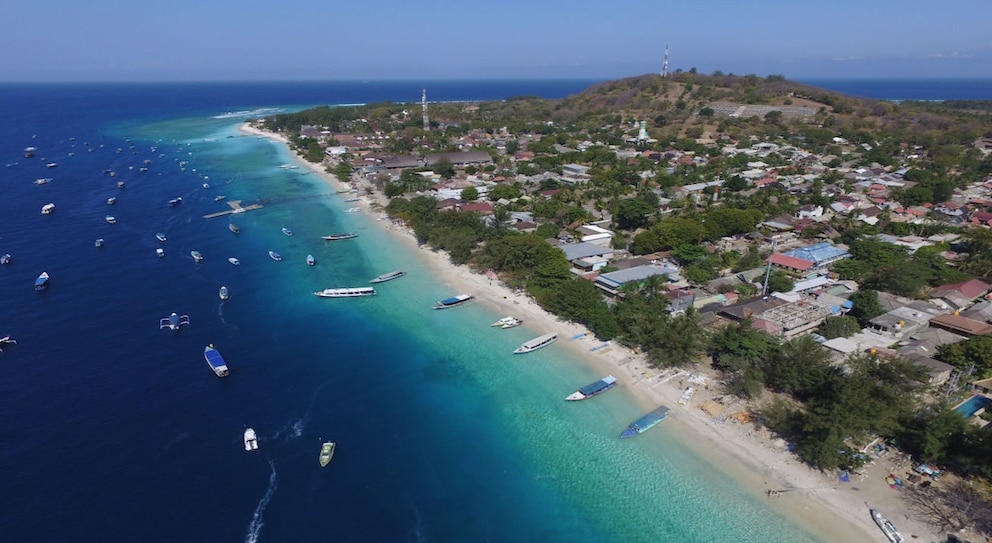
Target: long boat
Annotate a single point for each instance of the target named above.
(326, 452)
(334, 237)
(536, 343)
(453, 301)
(388, 276)
(887, 527)
(592, 389)
(645, 423)
(41, 283)
(686, 395)
(345, 292)
(215, 360)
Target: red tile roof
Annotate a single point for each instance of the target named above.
(790, 262)
(971, 289)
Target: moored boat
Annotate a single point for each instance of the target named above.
(41, 283)
(251, 440)
(43, 181)
(646, 422)
(592, 389)
(507, 322)
(234, 228)
(452, 302)
(536, 343)
(887, 527)
(287, 231)
(275, 256)
(686, 395)
(196, 256)
(326, 453)
(352, 210)
(333, 237)
(175, 201)
(47, 209)
(5, 258)
(311, 260)
(388, 276)
(120, 184)
(215, 360)
(160, 236)
(29, 151)
(224, 293)
(173, 322)
(111, 219)
(160, 252)
(98, 243)
(234, 261)
(112, 200)
(345, 292)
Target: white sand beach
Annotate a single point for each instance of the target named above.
(834, 510)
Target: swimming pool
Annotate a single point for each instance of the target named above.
(973, 405)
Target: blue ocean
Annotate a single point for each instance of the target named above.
(116, 430)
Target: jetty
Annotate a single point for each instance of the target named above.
(236, 207)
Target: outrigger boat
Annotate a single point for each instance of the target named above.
(388, 276)
(7, 340)
(334, 237)
(173, 322)
(507, 322)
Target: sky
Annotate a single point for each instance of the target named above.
(209, 40)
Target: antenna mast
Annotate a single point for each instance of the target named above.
(423, 105)
(768, 270)
(664, 63)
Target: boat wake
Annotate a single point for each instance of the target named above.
(255, 526)
(418, 529)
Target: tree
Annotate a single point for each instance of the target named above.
(470, 194)
(633, 213)
(841, 326)
(444, 167)
(778, 281)
(865, 306)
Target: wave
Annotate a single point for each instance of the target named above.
(247, 113)
(255, 526)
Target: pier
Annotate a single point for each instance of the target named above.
(236, 207)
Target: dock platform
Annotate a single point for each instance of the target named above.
(236, 207)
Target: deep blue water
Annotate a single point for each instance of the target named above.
(909, 89)
(114, 430)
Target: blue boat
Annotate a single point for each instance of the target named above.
(453, 301)
(215, 360)
(592, 389)
(41, 283)
(645, 423)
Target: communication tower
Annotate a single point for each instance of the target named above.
(423, 105)
(664, 63)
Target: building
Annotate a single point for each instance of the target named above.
(822, 254)
(903, 321)
(612, 282)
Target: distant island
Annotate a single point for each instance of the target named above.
(828, 259)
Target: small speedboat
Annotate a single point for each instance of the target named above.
(41, 283)
(234, 228)
(160, 236)
(98, 243)
(311, 260)
(275, 256)
(5, 258)
(160, 252)
(196, 256)
(234, 261)
(251, 440)
(111, 201)
(224, 293)
(287, 231)
(111, 219)
(326, 453)
(175, 201)
(120, 184)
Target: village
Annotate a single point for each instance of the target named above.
(806, 261)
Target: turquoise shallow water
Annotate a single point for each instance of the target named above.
(443, 435)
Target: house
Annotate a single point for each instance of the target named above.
(594, 234)
(575, 251)
(905, 320)
(790, 263)
(809, 211)
(612, 282)
(961, 325)
(460, 159)
(822, 254)
(971, 289)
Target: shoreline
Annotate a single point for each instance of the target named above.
(746, 453)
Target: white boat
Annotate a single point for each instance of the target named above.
(686, 395)
(98, 243)
(224, 293)
(111, 219)
(311, 260)
(160, 252)
(351, 292)
(196, 256)
(287, 231)
(7, 340)
(234, 228)
(507, 322)
(234, 261)
(52, 165)
(160, 236)
(333, 237)
(536, 343)
(42, 180)
(352, 210)
(5, 258)
(887, 527)
(47, 209)
(41, 283)
(175, 201)
(388, 276)
(326, 453)
(112, 200)
(173, 322)
(120, 184)
(275, 256)
(251, 440)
